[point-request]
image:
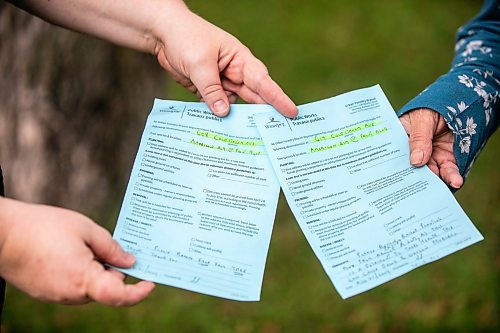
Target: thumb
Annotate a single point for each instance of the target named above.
(207, 80)
(106, 249)
(108, 288)
(422, 129)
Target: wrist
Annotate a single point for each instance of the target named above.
(166, 20)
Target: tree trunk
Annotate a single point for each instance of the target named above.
(72, 109)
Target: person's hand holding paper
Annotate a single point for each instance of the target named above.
(431, 143)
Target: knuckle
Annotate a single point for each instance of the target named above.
(104, 295)
(77, 288)
(212, 91)
(261, 76)
(114, 250)
(420, 138)
(195, 59)
(274, 95)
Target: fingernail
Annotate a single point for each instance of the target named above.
(220, 108)
(416, 157)
(456, 183)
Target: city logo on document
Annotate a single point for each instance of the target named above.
(170, 109)
(273, 123)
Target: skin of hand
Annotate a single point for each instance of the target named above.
(216, 66)
(431, 143)
(202, 57)
(57, 255)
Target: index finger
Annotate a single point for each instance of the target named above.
(263, 85)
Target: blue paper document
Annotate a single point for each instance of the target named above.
(200, 204)
(369, 216)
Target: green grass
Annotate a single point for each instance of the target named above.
(317, 49)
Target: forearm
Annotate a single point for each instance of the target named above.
(131, 23)
(5, 224)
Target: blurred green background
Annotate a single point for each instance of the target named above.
(318, 49)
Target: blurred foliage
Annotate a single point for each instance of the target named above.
(317, 49)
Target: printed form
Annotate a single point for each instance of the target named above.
(199, 208)
(369, 216)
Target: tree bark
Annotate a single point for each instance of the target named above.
(72, 109)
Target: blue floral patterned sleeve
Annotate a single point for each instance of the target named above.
(468, 95)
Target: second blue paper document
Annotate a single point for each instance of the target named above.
(369, 216)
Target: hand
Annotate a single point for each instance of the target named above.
(431, 143)
(57, 255)
(216, 66)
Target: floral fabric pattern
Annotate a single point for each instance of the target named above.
(468, 95)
